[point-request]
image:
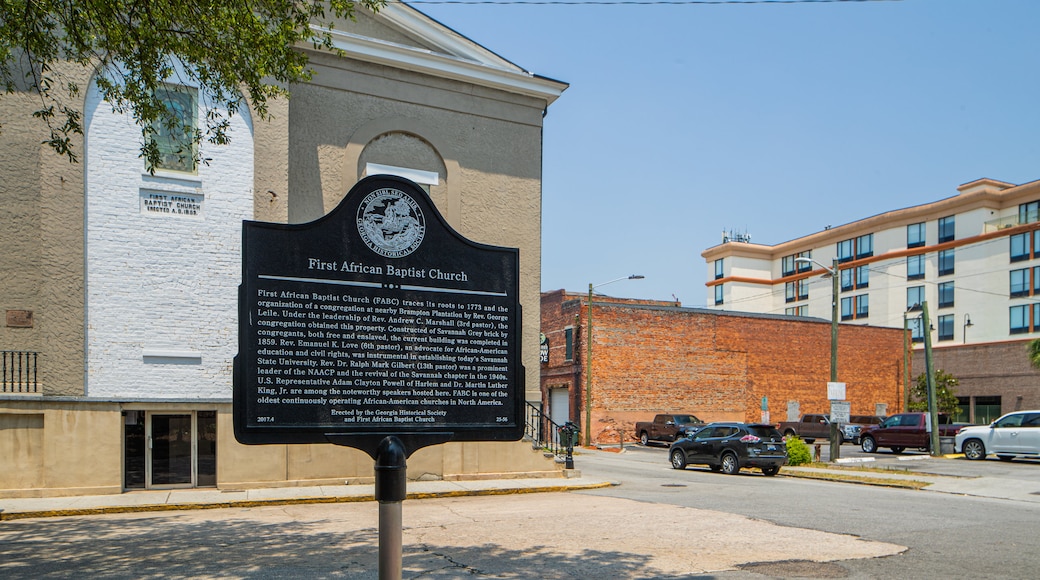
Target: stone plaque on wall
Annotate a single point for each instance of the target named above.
(20, 318)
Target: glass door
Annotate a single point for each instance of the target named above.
(170, 450)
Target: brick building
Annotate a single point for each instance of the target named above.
(653, 357)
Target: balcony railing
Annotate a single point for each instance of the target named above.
(18, 372)
(1002, 223)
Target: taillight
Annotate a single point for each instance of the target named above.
(750, 439)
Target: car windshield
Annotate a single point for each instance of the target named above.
(686, 419)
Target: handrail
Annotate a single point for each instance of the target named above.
(543, 432)
(18, 372)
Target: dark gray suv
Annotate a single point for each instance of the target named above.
(728, 447)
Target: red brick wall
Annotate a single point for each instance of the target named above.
(653, 357)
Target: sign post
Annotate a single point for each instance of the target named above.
(380, 328)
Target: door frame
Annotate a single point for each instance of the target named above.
(193, 460)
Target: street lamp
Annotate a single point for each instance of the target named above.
(833, 271)
(588, 361)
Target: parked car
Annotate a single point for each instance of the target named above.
(728, 447)
(905, 431)
(667, 427)
(1016, 434)
(852, 430)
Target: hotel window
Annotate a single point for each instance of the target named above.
(1020, 247)
(915, 235)
(915, 267)
(797, 290)
(846, 251)
(1019, 316)
(174, 138)
(1019, 282)
(856, 278)
(802, 310)
(568, 335)
(946, 327)
(789, 266)
(865, 246)
(1028, 212)
(857, 248)
(718, 294)
(914, 297)
(946, 295)
(718, 269)
(1036, 280)
(946, 229)
(915, 325)
(945, 262)
(855, 307)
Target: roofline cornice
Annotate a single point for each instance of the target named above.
(971, 199)
(506, 77)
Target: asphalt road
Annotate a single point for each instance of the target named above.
(657, 523)
(948, 536)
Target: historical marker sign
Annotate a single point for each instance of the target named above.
(377, 319)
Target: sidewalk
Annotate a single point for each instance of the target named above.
(181, 499)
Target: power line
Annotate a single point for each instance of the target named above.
(624, 2)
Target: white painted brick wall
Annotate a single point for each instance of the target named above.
(161, 284)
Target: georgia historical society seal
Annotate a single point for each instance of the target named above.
(391, 223)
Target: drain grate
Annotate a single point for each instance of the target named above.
(673, 485)
(797, 568)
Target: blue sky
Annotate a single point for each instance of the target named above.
(771, 119)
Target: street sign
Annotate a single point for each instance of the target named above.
(840, 411)
(836, 391)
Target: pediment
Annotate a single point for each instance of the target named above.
(401, 36)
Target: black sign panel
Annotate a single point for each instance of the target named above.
(376, 319)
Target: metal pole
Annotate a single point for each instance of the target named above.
(933, 412)
(906, 364)
(835, 452)
(834, 322)
(390, 491)
(588, 374)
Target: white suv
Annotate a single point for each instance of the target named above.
(1016, 434)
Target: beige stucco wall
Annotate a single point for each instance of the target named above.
(41, 265)
(484, 144)
(55, 447)
(61, 447)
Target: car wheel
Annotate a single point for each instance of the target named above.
(974, 449)
(790, 433)
(678, 459)
(1005, 457)
(730, 464)
(868, 445)
(770, 471)
(810, 441)
(898, 450)
(644, 438)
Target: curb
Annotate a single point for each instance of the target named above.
(247, 503)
